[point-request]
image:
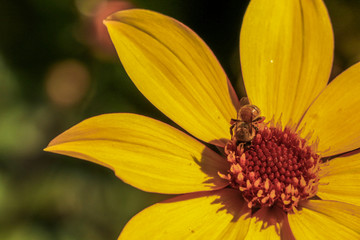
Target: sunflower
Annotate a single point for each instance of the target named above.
(288, 169)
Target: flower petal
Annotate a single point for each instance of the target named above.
(340, 180)
(144, 153)
(286, 51)
(211, 215)
(333, 117)
(175, 70)
(266, 224)
(320, 219)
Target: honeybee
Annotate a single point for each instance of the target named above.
(244, 128)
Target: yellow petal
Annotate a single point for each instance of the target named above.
(340, 180)
(286, 50)
(334, 116)
(144, 153)
(265, 224)
(320, 219)
(175, 70)
(219, 215)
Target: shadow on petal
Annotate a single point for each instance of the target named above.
(211, 167)
(269, 223)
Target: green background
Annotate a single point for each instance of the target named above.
(55, 72)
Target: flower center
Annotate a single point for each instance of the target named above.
(276, 167)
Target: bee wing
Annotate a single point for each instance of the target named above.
(244, 101)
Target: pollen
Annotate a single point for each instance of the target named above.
(276, 168)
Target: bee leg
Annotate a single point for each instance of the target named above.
(233, 121)
(247, 144)
(231, 129)
(261, 119)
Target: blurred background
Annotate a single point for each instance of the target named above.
(58, 67)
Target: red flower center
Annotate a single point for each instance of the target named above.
(276, 167)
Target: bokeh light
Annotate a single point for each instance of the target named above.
(67, 83)
(93, 14)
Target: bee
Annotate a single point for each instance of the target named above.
(244, 128)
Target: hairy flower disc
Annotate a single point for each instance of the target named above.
(276, 168)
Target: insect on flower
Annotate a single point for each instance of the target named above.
(244, 128)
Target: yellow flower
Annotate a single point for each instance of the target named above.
(240, 191)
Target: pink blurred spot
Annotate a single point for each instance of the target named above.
(102, 11)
